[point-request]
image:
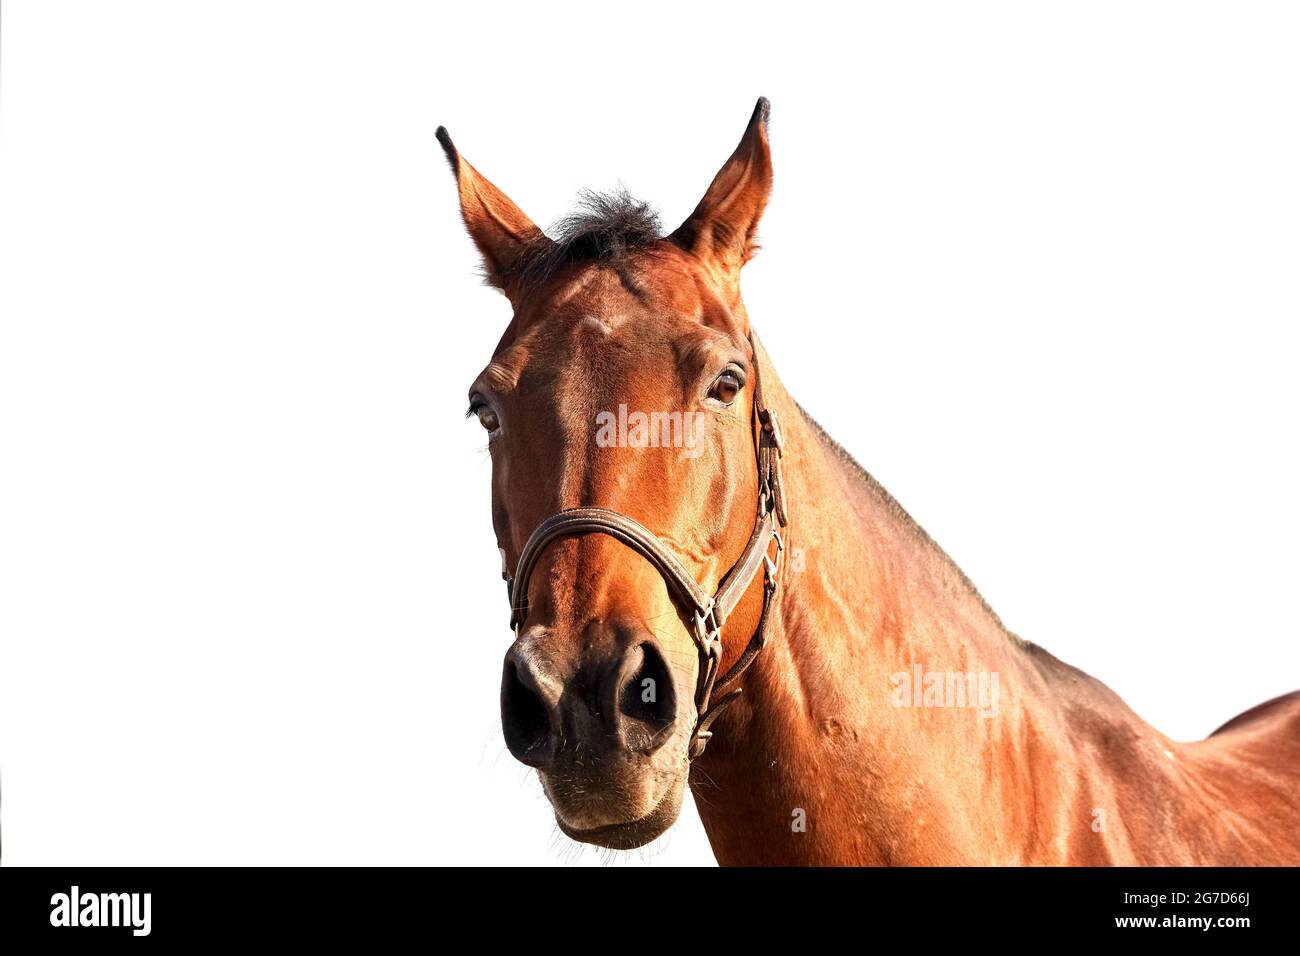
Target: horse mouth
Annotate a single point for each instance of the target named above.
(634, 833)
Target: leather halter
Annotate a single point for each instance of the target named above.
(709, 614)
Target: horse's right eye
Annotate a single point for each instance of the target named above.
(488, 418)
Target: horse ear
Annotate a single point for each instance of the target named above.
(498, 227)
(721, 229)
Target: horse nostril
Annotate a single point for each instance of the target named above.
(524, 718)
(647, 701)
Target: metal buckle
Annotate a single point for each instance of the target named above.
(709, 629)
(770, 565)
(773, 428)
(766, 497)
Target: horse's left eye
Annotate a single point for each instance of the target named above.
(726, 387)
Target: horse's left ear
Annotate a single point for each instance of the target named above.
(721, 229)
(498, 227)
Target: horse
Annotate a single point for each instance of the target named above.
(708, 591)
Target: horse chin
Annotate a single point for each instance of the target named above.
(633, 833)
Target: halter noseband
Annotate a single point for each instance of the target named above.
(709, 613)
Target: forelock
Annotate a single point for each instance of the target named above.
(606, 229)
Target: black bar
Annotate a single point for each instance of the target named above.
(374, 905)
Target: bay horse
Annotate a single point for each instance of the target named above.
(754, 590)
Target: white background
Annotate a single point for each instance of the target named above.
(1035, 265)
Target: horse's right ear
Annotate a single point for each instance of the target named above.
(498, 227)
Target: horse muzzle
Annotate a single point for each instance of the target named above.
(602, 720)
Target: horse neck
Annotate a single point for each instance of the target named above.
(824, 759)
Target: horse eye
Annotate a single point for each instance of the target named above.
(726, 388)
(488, 418)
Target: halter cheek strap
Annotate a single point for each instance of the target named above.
(708, 613)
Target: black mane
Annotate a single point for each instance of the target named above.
(606, 228)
